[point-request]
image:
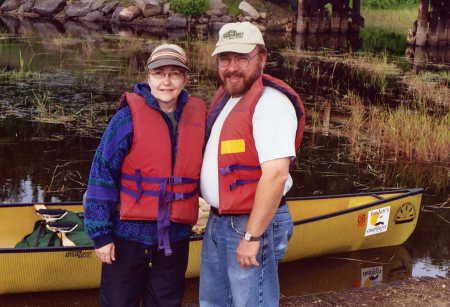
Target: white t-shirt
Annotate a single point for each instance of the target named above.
(274, 129)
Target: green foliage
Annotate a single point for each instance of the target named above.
(377, 40)
(233, 7)
(388, 4)
(189, 7)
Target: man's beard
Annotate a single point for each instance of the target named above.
(237, 91)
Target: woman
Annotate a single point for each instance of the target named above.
(142, 196)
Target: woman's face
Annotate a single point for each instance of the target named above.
(166, 83)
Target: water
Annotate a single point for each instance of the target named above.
(52, 114)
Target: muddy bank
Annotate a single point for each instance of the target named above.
(413, 291)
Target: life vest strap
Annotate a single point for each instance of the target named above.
(232, 167)
(241, 182)
(169, 196)
(170, 180)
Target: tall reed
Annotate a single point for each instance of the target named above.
(401, 133)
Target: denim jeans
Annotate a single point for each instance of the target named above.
(222, 280)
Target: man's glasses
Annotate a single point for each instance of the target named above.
(225, 60)
(174, 75)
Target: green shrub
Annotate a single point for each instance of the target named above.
(387, 4)
(189, 7)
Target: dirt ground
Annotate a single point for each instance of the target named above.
(411, 292)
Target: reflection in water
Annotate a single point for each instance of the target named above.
(336, 272)
(342, 271)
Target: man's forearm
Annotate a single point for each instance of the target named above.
(267, 198)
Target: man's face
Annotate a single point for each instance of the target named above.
(238, 71)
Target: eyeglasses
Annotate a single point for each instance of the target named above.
(160, 75)
(225, 60)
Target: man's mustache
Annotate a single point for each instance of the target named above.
(233, 74)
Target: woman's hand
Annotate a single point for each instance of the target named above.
(106, 253)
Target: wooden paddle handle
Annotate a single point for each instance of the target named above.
(65, 240)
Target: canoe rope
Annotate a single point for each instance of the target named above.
(364, 261)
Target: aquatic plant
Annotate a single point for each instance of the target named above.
(388, 4)
(47, 110)
(189, 7)
(400, 132)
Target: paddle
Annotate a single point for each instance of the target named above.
(52, 217)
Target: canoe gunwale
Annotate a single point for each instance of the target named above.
(46, 249)
(408, 192)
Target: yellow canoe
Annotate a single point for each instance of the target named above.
(323, 225)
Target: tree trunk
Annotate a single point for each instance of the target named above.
(422, 23)
(302, 17)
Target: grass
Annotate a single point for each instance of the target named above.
(393, 20)
(402, 133)
(47, 110)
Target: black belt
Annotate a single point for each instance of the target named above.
(216, 210)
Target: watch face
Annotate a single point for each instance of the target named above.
(247, 236)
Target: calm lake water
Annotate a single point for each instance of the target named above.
(59, 85)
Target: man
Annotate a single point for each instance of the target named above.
(255, 126)
(142, 196)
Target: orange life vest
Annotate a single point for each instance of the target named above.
(152, 188)
(238, 163)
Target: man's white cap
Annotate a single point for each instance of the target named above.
(240, 37)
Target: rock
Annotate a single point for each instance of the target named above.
(166, 8)
(263, 15)
(77, 9)
(12, 23)
(216, 25)
(227, 19)
(28, 5)
(216, 4)
(147, 8)
(10, 5)
(20, 10)
(203, 20)
(217, 12)
(94, 16)
(115, 16)
(61, 15)
(97, 4)
(76, 29)
(48, 7)
(129, 13)
(109, 7)
(248, 10)
(152, 22)
(177, 21)
(48, 29)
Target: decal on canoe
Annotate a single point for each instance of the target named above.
(406, 213)
(362, 218)
(371, 276)
(377, 221)
(79, 254)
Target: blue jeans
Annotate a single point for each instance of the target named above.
(222, 280)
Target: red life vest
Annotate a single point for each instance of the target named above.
(239, 169)
(151, 187)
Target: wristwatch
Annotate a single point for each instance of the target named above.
(249, 237)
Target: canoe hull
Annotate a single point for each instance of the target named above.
(324, 225)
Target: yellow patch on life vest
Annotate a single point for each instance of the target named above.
(232, 146)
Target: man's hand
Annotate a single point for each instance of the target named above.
(106, 253)
(246, 253)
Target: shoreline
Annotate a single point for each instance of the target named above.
(411, 292)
